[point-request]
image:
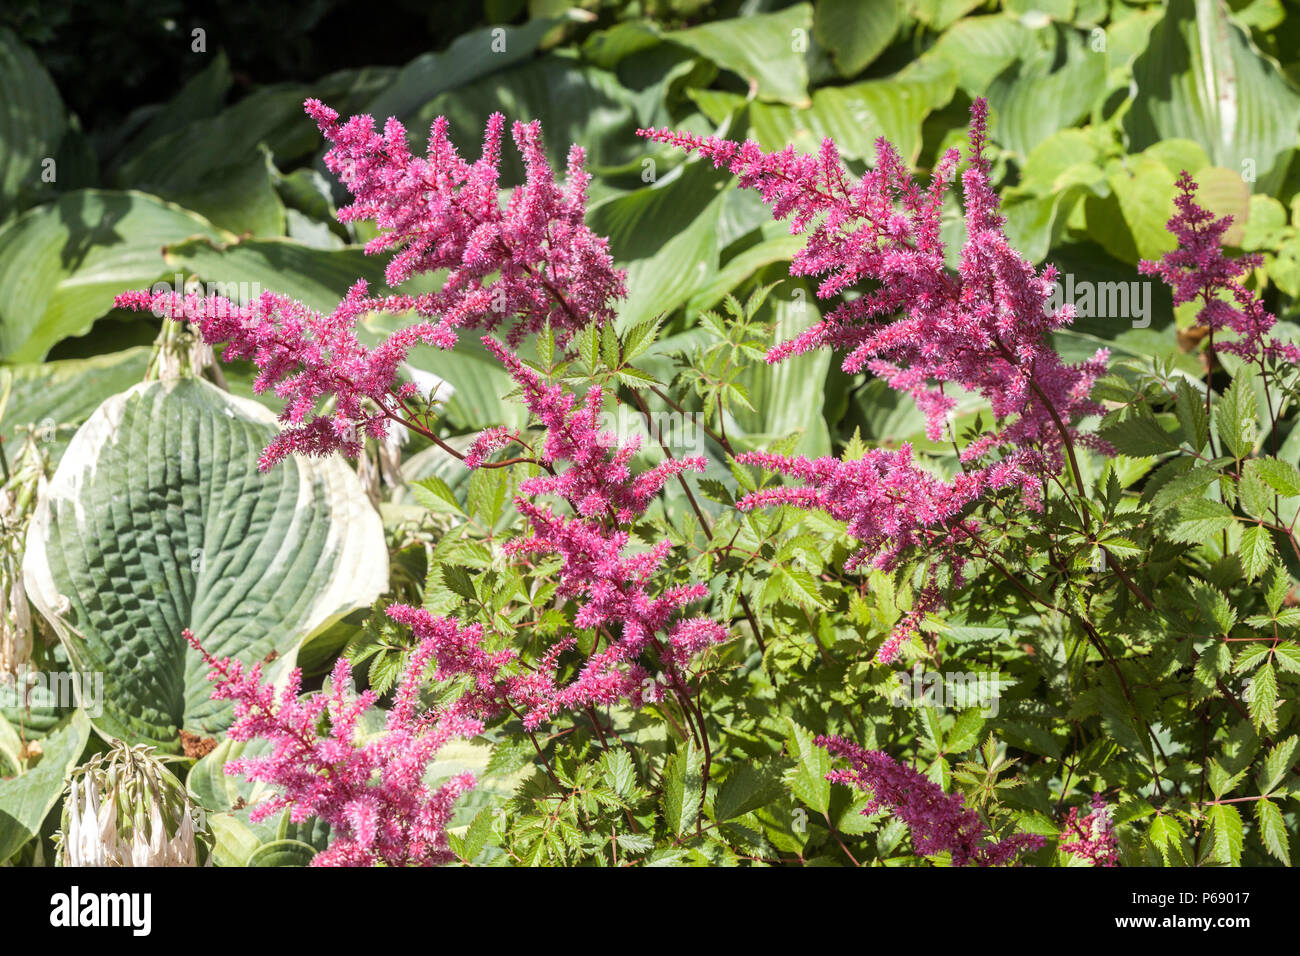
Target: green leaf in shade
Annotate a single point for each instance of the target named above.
(32, 124)
(61, 264)
(788, 396)
(1201, 78)
(856, 33)
(469, 57)
(763, 48)
(158, 520)
(746, 788)
(27, 798)
(66, 392)
(979, 48)
(1045, 92)
(575, 104)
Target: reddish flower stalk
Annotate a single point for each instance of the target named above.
(371, 794)
(1092, 835)
(533, 259)
(1199, 269)
(938, 821)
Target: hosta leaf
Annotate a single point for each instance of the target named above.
(856, 33)
(157, 519)
(1046, 91)
(1202, 79)
(45, 395)
(282, 853)
(764, 48)
(62, 263)
(27, 798)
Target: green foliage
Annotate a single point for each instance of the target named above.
(1140, 637)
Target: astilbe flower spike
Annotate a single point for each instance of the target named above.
(611, 584)
(1091, 836)
(938, 821)
(984, 329)
(918, 328)
(372, 794)
(1199, 269)
(533, 259)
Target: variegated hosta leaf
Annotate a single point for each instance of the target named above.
(157, 519)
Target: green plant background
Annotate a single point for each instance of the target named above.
(118, 171)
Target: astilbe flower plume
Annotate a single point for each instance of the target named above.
(919, 328)
(938, 821)
(1091, 836)
(984, 329)
(1199, 269)
(611, 583)
(533, 259)
(372, 793)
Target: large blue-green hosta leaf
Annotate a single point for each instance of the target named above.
(158, 520)
(1201, 78)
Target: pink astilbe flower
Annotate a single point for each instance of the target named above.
(938, 821)
(918, 327)
(891, 506)
(305, 358)
(371, 794)
(487, 442)
(534, 259)
(613, 587)
(1199, 269)
(984, 329)
(1091, 836)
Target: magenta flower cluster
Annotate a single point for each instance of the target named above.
(1092, 834)
(371, 793)
(919, 329)
(938, 821)
(984, 329)
(610, 582)
(1199, 269)
(534, 259)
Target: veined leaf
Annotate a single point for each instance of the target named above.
(158, 519)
